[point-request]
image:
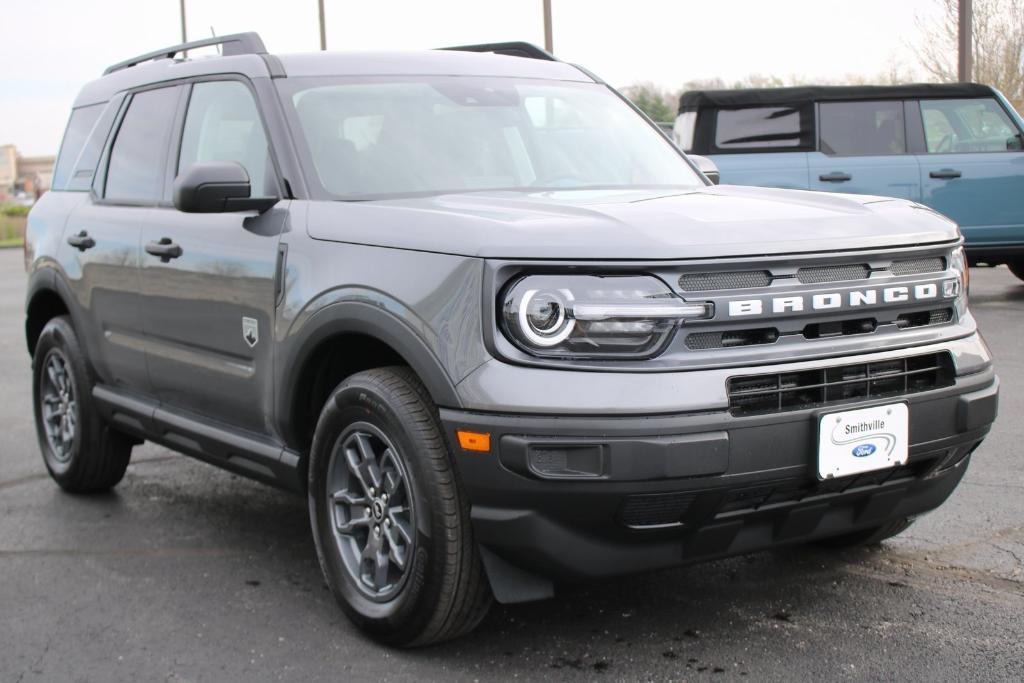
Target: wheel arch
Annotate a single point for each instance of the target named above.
(337, 341)
(43, 302)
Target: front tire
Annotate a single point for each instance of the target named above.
(1016, 267)
(390, 520)
(81, 452)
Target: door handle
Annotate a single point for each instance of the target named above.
(945, 174)
(835, 177)
(82, 241)
(165, 249)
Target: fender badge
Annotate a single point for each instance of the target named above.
(250, 331)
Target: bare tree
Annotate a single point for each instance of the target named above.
(997, 41)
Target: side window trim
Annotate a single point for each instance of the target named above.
(915, 127)
(177, 132)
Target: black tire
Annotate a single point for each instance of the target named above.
(1017, 268)
(442, 591)
(81, 452)
(868, 537)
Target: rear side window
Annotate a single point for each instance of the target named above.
(139, 153)
(776, 128)
(964, 126)
(79, 128)
(223, 124)
(862, 128)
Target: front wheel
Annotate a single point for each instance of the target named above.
(390, 520)
(1016, 267)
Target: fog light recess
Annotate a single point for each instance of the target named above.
(567, 461)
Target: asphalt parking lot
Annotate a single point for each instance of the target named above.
(188, 573)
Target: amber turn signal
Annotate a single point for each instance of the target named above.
(474, 441)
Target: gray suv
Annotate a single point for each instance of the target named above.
(493, 324)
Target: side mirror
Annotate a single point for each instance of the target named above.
(217, 187)
(707, 167)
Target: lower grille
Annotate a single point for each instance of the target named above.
(938, 316)
(800, 390)
(655, 509)
(724, 340)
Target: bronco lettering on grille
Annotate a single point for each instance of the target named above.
(855, 298)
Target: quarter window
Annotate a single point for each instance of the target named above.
(136, 171)
(79, 128)
(862, 128)
(223, 124)
(964, 126)
(757, 128)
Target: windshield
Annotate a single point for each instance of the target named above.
(404, 136)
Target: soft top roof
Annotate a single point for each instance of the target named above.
(695, 99)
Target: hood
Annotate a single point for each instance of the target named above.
(719, 221)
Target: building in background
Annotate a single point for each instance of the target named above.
(25, 178)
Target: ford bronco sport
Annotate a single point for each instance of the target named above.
(955, 147)
(494, 325)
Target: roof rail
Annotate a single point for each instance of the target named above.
(512, 49)
(234, 44)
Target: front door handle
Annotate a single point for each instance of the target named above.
(945, 174)
(835, 177)
(165, 249)
(82, 241)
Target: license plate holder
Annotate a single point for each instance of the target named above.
(863, 440)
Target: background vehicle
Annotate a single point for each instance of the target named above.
(491, 322)
(958, 148)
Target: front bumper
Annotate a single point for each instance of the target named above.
(700, 485)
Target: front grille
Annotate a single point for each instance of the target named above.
(701, 341)
(836, 273)
(655, 509)
(918, 265)
(803, 389)
(936, 316)
(706, 282)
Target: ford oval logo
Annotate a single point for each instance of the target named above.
(863, 450)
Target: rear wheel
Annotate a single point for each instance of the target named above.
(1016, 267)
(390, 520)
(81, 452)
(867, 537)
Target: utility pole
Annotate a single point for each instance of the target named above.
(323, 28)
(549, 41)
(184, 34)
(964, 65)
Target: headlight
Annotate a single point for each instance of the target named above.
(592, 316)
(958, 263)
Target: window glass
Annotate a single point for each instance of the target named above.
(79, 128)
(223, 124)
(862, 128)
(682, 131)
(136, 170)
(761, 127)
(963, 126)
(402, 135)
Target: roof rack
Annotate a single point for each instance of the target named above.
(512, 49)
(234, 44)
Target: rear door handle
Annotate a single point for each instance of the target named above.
(82, 241)
(835, 177)
(165, 249)
(945, 174)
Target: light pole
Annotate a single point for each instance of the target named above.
(964, 64)
(323, 28)
(549, 41)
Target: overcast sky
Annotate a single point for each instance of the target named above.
(49, 48)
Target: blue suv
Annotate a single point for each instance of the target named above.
(957, 148)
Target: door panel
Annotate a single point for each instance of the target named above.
(863, 150)
(208, 280)
(195, 307)
(973, 169)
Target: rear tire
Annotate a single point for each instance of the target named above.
(390, 519)
(868, 537)
(81, 452)
(1017, 268)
